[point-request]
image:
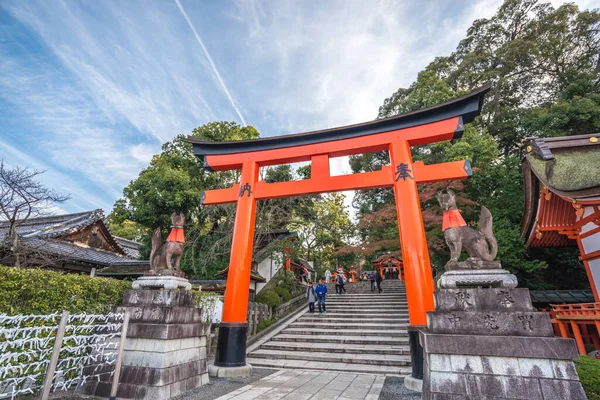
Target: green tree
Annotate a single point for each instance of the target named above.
(543, 63)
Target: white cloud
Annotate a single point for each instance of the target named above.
(114, 80)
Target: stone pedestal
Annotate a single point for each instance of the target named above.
(487, 343)
(165, 353)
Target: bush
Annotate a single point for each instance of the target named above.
(284, 294)
(38, 291)
(264, 324)
(268, 297)
(588, 369)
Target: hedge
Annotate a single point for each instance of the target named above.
(39, 291)
(268, 297)
(588, 369)
(284, 294)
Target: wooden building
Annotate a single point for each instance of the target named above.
(562, 198)
(79, 242)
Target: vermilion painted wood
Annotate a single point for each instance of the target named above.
(415, 255)
(235, 304)
(416, 135)
(322, 182)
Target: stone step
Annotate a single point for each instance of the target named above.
(366, 315)
(332, 318)
(362, 297)
(356, 348)
(372, 359)
(342, 339)
(368, 306)
(348, 325)
(366, 301)
(352, 308)
(341, 332)
(327, 366)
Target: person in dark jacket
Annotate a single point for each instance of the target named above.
(378, 280)
(372, 279)
(311, 296)
(321, 291)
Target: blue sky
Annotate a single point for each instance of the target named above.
(90, 90)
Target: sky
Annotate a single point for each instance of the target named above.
(89, 91)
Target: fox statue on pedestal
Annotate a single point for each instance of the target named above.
(168, 256)
(481, 245)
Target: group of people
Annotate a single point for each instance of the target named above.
(318, 294)
(375, 279)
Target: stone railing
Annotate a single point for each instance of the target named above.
(288, 307)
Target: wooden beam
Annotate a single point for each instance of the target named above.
(416, 135)
(321, 183)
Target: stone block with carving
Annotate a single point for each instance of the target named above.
(484, 341)
(165, 354)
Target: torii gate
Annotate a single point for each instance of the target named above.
(396, 135)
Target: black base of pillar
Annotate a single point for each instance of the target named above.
(416, 351)
(231, 345)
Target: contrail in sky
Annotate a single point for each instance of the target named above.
(212, 64)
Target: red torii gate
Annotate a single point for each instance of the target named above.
(396, 135)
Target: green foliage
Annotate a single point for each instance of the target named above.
(268, 297)
(284, 294)
(207, 302)
(544, 68)
(37, 291)
(588, 369)
(264, 324)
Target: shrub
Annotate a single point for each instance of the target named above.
(588, 369)
(284, 294)
(206, 302)
(264, 324)
(268, 297)
(38, 291)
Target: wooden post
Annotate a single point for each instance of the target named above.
(415, 255)
(60, 333)
(231, 347)
(250, 317)
(256, 317)
(117, 373)
(578, 338)
(563, 329)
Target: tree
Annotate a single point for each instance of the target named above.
(22, 197)
(544, 67)
(174, 181)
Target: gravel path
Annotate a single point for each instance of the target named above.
(394, 389)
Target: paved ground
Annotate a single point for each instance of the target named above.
(266, 384)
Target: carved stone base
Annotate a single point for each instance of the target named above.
(165, 353)
(166, 272)
(489, 344)
(471, 263)
(496, 278)
(161, 282)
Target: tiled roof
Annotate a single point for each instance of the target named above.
(131, 248)
(76, 252)
(43, 235)
(561, 296)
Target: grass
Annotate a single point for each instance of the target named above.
(588, 369)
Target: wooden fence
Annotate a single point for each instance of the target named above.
(256, 314)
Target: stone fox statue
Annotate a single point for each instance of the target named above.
(480, 245)
(162, 256)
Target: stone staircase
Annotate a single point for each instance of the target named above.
(361, 332)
